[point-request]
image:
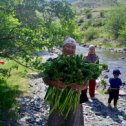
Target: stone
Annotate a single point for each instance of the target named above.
(122, 93)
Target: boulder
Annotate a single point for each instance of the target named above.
(122, 93)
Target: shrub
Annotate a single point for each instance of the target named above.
(90, 34)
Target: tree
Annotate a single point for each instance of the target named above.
(32, 25)
(115, 20)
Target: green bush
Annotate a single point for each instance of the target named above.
(98, 22)
(115, 20)
(88, 13)
(102, 14)
(122, 34)
(81, 20)
(86, 24)
(90, 34)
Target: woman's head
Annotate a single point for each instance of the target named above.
(69, 46)
(91, 49)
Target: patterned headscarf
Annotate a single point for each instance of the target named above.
(70, 40)
(92, 57)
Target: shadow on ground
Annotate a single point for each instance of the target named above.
(102, 110)
(8, 104)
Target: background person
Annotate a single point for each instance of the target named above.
(91, 57)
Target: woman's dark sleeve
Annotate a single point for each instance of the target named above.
(97, 61)
(46, 80)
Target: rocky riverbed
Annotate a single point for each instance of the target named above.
(34, 111)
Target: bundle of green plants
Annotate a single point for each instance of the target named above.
(70, 70)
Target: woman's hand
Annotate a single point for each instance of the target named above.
(58, 84)
(78, 88)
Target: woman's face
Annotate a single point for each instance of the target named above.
(69, 49)
(92, 50)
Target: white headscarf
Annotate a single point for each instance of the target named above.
(70, 40)
(91, 46)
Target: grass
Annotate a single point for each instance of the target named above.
(11, 88)
(107, 45)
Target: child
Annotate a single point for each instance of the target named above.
(91, 57)
(115, 84)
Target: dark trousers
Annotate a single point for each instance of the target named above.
(83, 96)
(113, 94)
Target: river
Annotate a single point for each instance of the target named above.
(113, 60)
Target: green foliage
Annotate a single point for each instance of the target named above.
(102, 14)
(4, 72)
(116, 20)
(81, 20)
(122, 36)
(103, 83)
(88, 13)
(98, 22)
(7, 100)
(10, 88)
(70, 70)
(31, 25)
(7, 25)
(86, 24)
(27, 26)
(62, 10)
(90, 34)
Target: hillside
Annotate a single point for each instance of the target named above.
(93, 4)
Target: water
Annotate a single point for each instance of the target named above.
(113, 60)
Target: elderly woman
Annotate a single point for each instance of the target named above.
(91, 57)
(74, 118)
